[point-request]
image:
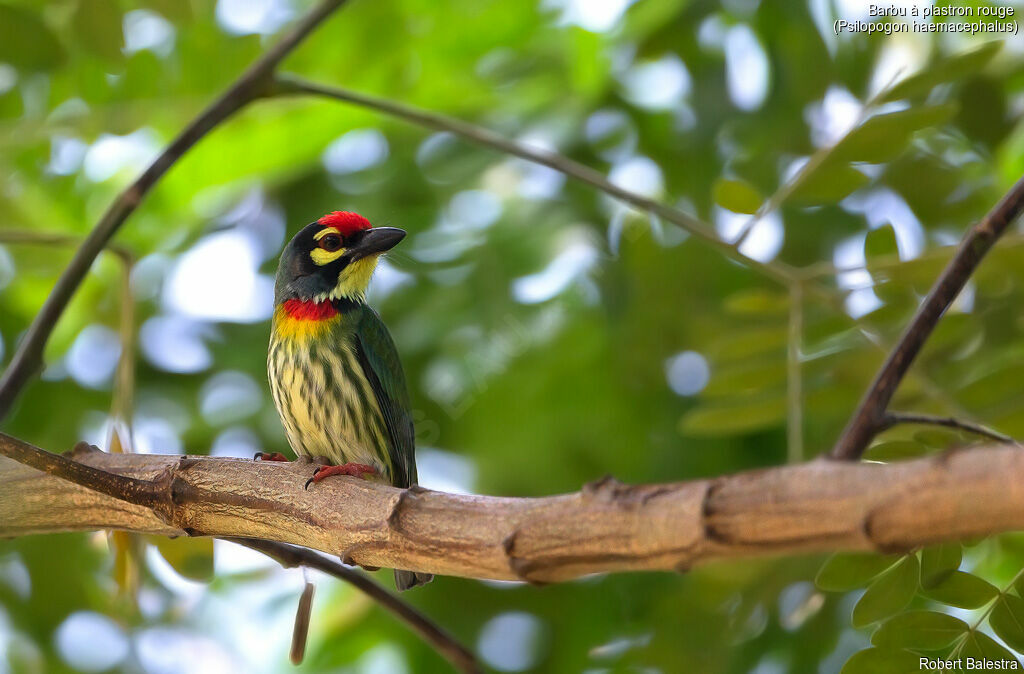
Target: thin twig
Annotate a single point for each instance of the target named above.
(253, 83)
(895, 418)
(123, 404)
(290, 556)
(780, 272)
(794, 384)
(291, 85)
(955, 654)
(817, 159)
(976, 243)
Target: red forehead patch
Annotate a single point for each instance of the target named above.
(346, 222)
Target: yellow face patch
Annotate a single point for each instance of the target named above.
(356, 277)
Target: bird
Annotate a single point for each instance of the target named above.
(334, 371)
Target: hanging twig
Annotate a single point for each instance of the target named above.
(290, 556)
(794, 380)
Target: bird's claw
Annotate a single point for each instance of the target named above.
(353, 469)
(269, 456)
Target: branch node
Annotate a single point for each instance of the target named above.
(518, 566)
(707, 513)
(396, 509)
(83, 448)
(606, 489)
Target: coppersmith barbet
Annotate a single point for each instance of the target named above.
(334, 371)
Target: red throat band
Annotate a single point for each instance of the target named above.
(309, 311)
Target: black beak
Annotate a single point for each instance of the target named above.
(375, 241)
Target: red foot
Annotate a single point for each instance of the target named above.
(353, 469)
(264, 456)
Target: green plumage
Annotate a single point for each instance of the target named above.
(342, 395)
(334, 371)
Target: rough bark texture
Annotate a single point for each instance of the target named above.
(608, 526)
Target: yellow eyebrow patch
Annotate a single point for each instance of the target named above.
(322, 257)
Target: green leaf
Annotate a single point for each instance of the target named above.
(1007, 621)
(884, 137)
(734, 417)
(895, 450)
(880, 243)
(881, 661)
(175, 11)
(191, 557)
(962, 590)
(97, 27)
(829, 183)
(888, 594)
(937, 438)
(757, 302)
(737, 196)
(26, 42)
(981, 646)
(846, 571)
(753, 376)
(938, 561)
(947, 70)
(925, 630)
(750, 342)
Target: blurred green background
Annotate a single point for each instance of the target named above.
(550, 335)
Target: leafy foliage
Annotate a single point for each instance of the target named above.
(550, 335)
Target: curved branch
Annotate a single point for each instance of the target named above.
(870, 413)
(290, 556)
(607, 527)
(895, 418)
(291, 85)
(253, 83)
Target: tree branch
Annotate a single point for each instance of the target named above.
(866, 420)
(143, 495)
(895, 418)
(291, 85)
(606, 527)
(290, 556)
(253, 83)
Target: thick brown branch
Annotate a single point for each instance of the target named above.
(867, 419)
(143, 499)
(606, 527)
(254, 83)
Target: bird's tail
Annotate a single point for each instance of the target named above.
(405, 580)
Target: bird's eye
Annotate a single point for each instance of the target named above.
(330, 242)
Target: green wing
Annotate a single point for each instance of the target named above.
(379, 358)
